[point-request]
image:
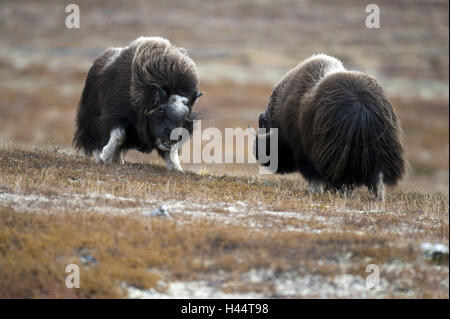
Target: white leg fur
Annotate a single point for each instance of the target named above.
(173, 161)
(380, 191)
(110, 152)
(96, 154)
(317, 187)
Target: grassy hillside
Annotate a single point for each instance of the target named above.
(226, 236)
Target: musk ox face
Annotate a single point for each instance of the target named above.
(164, 91)
(169, 111)
(264, 121)
(285, 163)
(263, 127)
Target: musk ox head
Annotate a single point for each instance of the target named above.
(284, 157)
(163, 91)
(263, 132)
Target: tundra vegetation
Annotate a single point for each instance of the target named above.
(231, 231)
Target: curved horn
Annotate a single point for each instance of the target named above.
(150, 112)
(265, 134)
(252, 130)
(260, 135)
(187, 119)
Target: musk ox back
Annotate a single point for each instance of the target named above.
(134, 97)
(336, 127)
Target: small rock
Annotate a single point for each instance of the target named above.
(161, 211)
(88, 259)
(435, 252)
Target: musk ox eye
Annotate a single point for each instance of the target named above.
(164, 92)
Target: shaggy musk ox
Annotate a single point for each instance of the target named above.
(134, 97)
(335, 127)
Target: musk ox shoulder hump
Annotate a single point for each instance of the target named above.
(319, 64)
(110, 56)
(157, 62)
(309, 72)
(299, 83)
(151, 40)
(323, 58)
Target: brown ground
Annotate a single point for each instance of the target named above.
(231, 230)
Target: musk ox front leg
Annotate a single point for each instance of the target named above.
(317, 186)
(111, 152)
(172, 161)
(376, 186)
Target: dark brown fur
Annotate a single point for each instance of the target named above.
(337, 126)
(125, 83)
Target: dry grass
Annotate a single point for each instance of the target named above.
(325, 235)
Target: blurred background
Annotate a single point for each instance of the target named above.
(241, 48)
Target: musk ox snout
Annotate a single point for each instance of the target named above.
(177, 110)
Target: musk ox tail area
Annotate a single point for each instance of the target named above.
(86, 135)
(356, 131)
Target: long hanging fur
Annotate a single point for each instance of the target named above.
(338, 125)
(121, 84)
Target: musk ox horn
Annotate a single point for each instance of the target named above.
(149, 112)
(199, 93)
(260, 135)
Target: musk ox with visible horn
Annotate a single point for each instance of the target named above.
(134, 97)
(336, 127)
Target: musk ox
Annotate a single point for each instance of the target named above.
(134, 97)
(336, 127)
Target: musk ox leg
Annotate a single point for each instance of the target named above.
(96, 154)
(111, 151)
(172, 161)
(376, 186)
(118, 157)
(317, 186)
(346, 190)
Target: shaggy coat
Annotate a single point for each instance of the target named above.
(336, 127)
(134, 97)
